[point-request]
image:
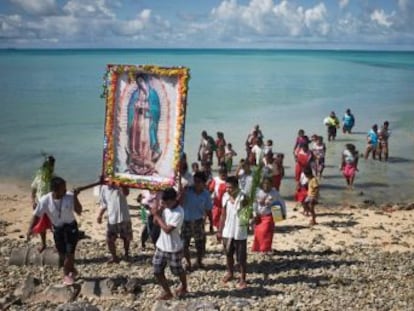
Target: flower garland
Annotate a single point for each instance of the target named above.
(109, 92)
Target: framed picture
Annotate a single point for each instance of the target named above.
(144, 125)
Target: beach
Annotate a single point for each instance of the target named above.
(353, 258)
(358, 257)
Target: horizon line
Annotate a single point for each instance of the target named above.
(207, 49)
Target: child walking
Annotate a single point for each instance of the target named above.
(169, 246)
(312, 197)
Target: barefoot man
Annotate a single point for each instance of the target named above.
(169, 246)
(232, 231)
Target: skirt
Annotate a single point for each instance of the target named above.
(263, 234)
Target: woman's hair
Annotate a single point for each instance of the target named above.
(308, 171)
(350, 147)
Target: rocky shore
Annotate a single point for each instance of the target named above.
(357, 258)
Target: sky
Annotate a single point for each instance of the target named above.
(268, 24)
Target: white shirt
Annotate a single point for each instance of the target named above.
(303, 180)
(152, 199)
(232, 228)
(171, 242)
(187, 179)
(269, 199)
(348, 156)
(60, 212)
(114, 201)
(245, 182)
(267, 149)
(258, 152)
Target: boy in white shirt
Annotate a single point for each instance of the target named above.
(233, 231)
(169, 246)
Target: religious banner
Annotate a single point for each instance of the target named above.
(144, 125)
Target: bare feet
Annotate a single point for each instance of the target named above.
(227, 277)
(113, 260)
(75, 273)
(165, 296)
(180, 292)
(41, 249)
(242, 284)
(199, 265)
(313, 222)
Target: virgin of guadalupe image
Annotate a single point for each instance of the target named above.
(143, 116)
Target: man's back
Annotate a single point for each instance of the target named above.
(113, 199)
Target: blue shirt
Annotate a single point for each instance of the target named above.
(348, 120)
(196, 204)
(373, 137)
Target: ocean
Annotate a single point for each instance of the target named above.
(50, 102)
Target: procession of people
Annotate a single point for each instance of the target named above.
(231, 201)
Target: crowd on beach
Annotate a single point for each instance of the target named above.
(232, 201)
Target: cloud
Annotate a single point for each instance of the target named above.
(9, 26)
(57, 26)
(37, 7)
(403, 4)
(134, 26)
(315, 19)
(88, 8)
(264, 17)
(381, 18)
(231, 23)
(343, 3)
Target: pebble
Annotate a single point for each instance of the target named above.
(311, 277)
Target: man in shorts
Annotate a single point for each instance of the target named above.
(197, 204)
(60, 207)
(332, 124)
(232, 231)
(169, 246)
(113, 201)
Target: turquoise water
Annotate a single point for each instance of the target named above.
(51, 102)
